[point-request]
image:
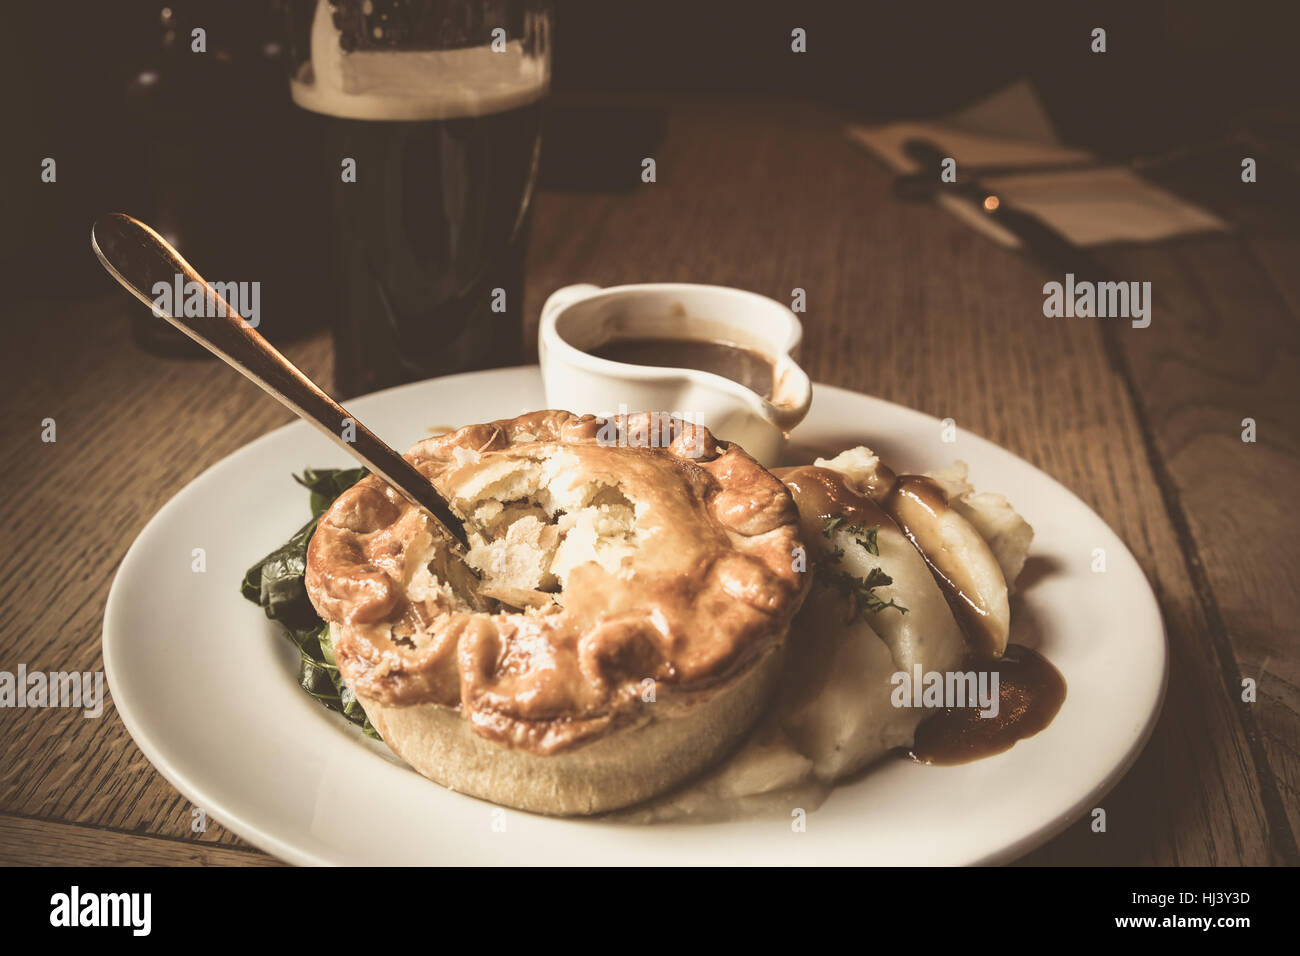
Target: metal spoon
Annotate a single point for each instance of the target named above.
(138, 257)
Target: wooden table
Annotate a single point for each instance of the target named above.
(904, 303)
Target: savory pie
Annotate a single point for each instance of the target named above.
(635, 581)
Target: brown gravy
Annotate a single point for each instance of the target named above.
(1030, 692)
(745, 366)
(824, 491)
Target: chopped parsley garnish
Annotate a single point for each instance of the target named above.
(864, 536)
(860, 591)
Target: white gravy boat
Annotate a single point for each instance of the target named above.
(579, 318)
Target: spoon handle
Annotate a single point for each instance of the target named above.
(139, 259)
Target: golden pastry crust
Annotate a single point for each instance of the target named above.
(708, 588)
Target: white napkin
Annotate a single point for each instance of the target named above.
(1010, 128)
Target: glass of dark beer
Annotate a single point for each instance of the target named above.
(429, 113)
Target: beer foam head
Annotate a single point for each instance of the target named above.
(415, 84)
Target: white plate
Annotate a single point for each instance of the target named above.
(206, 685)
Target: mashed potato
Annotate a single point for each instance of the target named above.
(833, 714)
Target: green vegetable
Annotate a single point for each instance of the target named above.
(327, 484)
(276, 584)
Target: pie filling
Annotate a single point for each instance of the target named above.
(529, 528)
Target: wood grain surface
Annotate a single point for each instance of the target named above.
(904, 303)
